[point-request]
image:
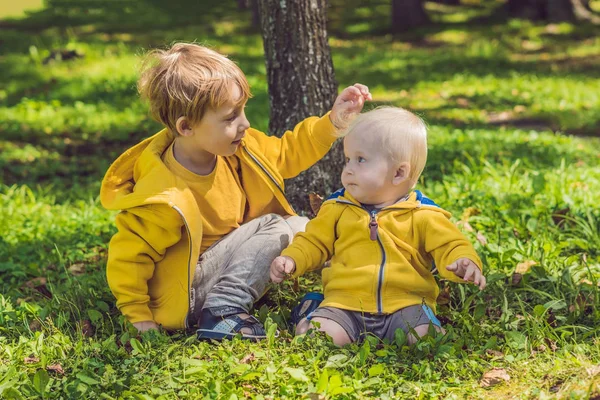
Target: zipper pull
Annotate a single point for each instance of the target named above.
(373, 227)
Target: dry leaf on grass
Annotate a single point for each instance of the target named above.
(481, 239)
(444, 296)
(77, 269)
(494, 353)
(31, 360)
(525, 266)
(56, 368)
(593, 371)
(521, 269)
(87, 329)
(465, 225)
(494, 377)
(315, 202)
(247, 358)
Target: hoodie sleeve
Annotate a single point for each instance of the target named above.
(144, 233)
(445, 243)
(298, 149)
(310, 249)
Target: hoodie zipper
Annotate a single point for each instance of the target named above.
(191, 300)
(374, 235)
(270, 176)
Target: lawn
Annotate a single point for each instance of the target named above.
(513, 109)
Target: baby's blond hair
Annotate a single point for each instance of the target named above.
(186, 79)
(402, 136)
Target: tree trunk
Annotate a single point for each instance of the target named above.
(408, 14)
(545, 10)
(527, 9)
(301, 83)
(560, 11)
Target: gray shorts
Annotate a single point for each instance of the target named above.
(357, 324)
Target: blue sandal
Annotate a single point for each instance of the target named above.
(219, 327)
(309, 303)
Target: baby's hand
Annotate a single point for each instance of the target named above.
(348, 105)
(468, 270)
(281, 267)
(143, 326)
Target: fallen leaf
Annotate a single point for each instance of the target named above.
(31, 360)
(524, 266)
(35, 325)
(470, 211)
(77, 269)
(444, 296)
(559, 216)
(481, 239)
(494, 377)
(248, 358)
(463, 102)
(315, 202)
(520, 270)
(466, 226)
(87, 329)
(56, 368)
(494, 353)
(36, 282)
(552, 344)
(593, 371)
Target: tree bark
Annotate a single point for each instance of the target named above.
(408, 14)
(544, 10)
(301, 84)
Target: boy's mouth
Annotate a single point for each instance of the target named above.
(238, 141)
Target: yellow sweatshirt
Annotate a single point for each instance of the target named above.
(152, 257)
(381, 261)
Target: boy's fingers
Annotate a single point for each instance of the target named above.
(363, 88)
(483, 283)
(352, 91)
(469, 274)
(451, 267)
(289, 267)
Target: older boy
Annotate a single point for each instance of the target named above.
(381, 236)
(202, 201)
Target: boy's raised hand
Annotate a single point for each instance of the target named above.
(281, 267)
(348, 105)
(469, 271)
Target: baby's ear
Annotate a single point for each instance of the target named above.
(184, 127)
(402, 173)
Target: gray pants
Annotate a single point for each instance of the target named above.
(234, 272)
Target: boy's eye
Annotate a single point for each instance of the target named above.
(361, 159)
(232, 118)
(347, 160)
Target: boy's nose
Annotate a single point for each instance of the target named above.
(245, 123)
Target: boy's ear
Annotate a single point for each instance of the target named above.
(184, 128)
(402, 173)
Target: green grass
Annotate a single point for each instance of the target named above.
(514, 113)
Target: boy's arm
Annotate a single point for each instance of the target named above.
(144, 234)
(298, 149)
(446, 244)
(310, 249)
(312, 138)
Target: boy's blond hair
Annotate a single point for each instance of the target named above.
(186, 79)
(401, 134)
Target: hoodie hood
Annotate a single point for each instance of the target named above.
(139, 177)
(416, 200)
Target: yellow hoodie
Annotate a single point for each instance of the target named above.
(381, 261)
(152, 257)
